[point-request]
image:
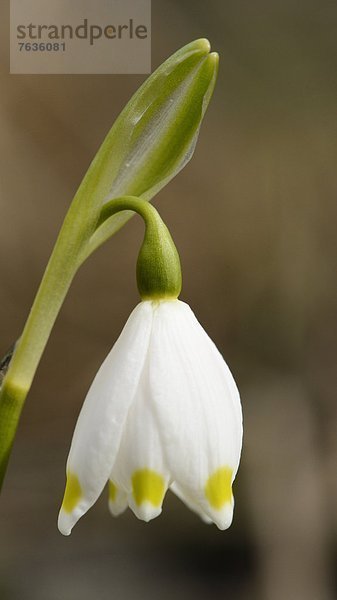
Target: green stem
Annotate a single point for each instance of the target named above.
(124, 204)
(55, 283)
(131, 203)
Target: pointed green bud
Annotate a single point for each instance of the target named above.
(154, 136)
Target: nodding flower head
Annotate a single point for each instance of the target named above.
(163, 412)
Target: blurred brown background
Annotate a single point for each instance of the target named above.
(254, 218)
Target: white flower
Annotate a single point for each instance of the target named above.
(163, 412)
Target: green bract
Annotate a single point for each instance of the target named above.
(154, 136)
(150, 142)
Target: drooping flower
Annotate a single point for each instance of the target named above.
(163, 410)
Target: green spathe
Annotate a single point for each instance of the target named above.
(154, 136)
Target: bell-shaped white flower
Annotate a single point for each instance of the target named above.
(163, 412)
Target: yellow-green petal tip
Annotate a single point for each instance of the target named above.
(72, 494)
(218, 489)
(148, 486)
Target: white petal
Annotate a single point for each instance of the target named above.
(100, 425)
(198, 409)
(118, 501)
(139, 469)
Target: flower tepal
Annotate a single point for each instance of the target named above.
(163, 411)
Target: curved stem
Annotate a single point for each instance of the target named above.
(123, 204)
(146, 210)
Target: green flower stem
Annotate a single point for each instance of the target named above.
(58, 276)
